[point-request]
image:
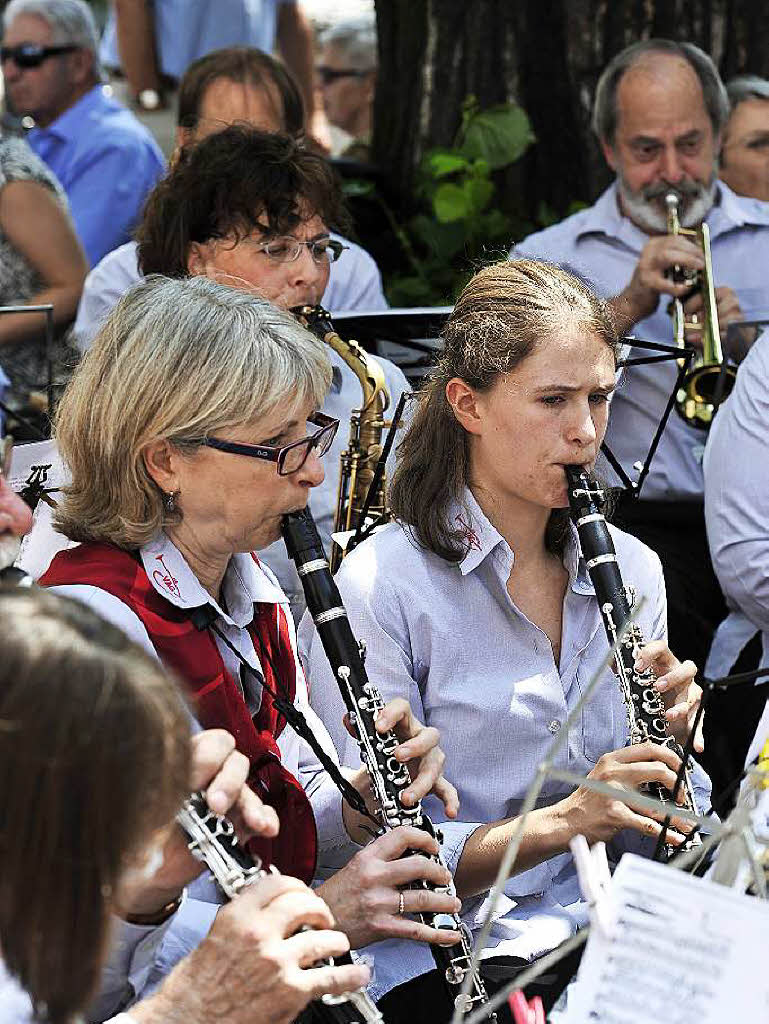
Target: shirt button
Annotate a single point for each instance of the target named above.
(554, 726)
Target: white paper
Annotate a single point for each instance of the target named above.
(684, 951)
(42, 542)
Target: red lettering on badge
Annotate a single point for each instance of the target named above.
(469, 534)
(166, 579)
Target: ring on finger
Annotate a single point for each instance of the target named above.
(401, 903)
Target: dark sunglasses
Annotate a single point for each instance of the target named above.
(290, 457)
(30, 55)
(328, 75)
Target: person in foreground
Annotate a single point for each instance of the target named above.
(190, 429)
(475, 605)
(96, 758)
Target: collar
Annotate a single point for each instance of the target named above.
(729, 211)
(246, 582)
(69, 125)
(483, 539)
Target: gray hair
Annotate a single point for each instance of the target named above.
(746, 87)
(356, 39)
(180, 360)
(713, 91)
(71, 21)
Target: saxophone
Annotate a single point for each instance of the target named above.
(212, 840)
(389, 778)
(644, 705)
(359, 459)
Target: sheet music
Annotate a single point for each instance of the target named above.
(42, 542)
(684, 950)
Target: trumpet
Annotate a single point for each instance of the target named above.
(709, 379)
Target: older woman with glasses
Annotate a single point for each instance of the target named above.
(190, 429)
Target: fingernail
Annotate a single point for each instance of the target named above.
(217, 801)
(638, 664)
(662, 684)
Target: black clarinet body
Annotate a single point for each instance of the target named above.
(213, 841)
(644, 705)
(389, 778)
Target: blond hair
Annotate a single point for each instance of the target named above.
(176, 360)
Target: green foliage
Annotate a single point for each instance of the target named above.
(458, 226)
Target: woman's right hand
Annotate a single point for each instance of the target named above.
(256, 966)
(599, 818)
(365, 895)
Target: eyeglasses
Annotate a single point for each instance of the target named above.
(285, 249)
(30, 55)
(328, 75)
(291, 457)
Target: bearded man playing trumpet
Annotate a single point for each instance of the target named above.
(659, 112)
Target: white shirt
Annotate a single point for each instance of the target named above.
(736, 467)
(354, 283)
(449, 639)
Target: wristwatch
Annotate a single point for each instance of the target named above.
(148, 99)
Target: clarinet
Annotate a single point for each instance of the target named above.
(389, 778)
(212, 840)
(644, 705)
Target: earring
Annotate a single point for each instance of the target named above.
(170, 502)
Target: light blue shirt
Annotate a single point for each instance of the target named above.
(603, 247)
(188, 29)
(107, 162)
(736, 466)
(449, 639)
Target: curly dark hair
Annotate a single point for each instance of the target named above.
(232, 183)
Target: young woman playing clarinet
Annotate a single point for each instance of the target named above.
(476, 605)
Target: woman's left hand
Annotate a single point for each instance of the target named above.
(675, 681)
(423, 757)
(420, 752)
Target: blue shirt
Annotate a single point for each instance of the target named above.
(736, 468)
(449, 639)
(107, 162)
(188, 29)
(603, 246)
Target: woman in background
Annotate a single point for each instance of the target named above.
(41, 261)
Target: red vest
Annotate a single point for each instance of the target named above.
(192, 656)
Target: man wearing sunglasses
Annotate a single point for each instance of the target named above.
(105, 159)
(346, 75)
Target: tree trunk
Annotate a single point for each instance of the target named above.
(546, 55)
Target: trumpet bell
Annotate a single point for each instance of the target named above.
(703, 390)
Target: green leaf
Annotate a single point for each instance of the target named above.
(439, 163)
(441, 240)
(499, 135)
(450, 203)
(355, 187)
(478, 192)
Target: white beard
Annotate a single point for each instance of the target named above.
(649, 212)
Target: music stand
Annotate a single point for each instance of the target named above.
(47, 309)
